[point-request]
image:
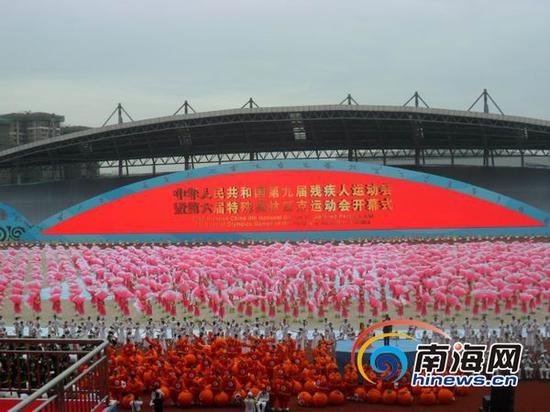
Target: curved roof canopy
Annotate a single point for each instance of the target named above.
(285, 129)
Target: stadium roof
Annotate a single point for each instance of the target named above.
(253, 131)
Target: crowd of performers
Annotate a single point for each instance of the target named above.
(221, 371)
(167, 331)
(240, 362)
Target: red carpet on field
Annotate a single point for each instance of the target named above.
(530, 397)
(7, 404)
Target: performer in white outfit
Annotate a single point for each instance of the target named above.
(467, 326)
(484, 328)
(262, 400)
(546, 327)
(527, 367)
(316, 338)
(493, 338)
(531, 333)
(544, 366)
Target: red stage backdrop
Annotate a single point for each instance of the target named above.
(292, 200)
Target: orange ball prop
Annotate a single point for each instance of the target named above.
(206, 397)
(305, 399)
(405, 398)
(221, 399)
(185, 398)
(374, 396)
(360, 395)
(427, 398)
(320, 399)
(190, 359)
(336, 398)
(165, 391)
(445, 396)
(389, 397)
(309, 386)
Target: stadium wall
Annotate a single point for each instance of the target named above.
(41, 200)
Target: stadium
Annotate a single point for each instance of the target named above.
(144, 281)
(502, 153)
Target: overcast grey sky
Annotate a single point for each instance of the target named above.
(79, 58)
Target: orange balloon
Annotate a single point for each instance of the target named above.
(221, 399)
(335, 378)
(445, 396)
(310, 386)
(389, 397)
(165, 391)
(336, 397)
(320, 399)
(427, 398)
(373, 396)
(405, 398)
(190, 359)
(206, 397)
(185, 398)
(305, 399)
(287, 368)
(360, 394)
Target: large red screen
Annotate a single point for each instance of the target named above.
(295, 200)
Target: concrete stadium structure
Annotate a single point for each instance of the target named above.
(396, 135)
(353, 132)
